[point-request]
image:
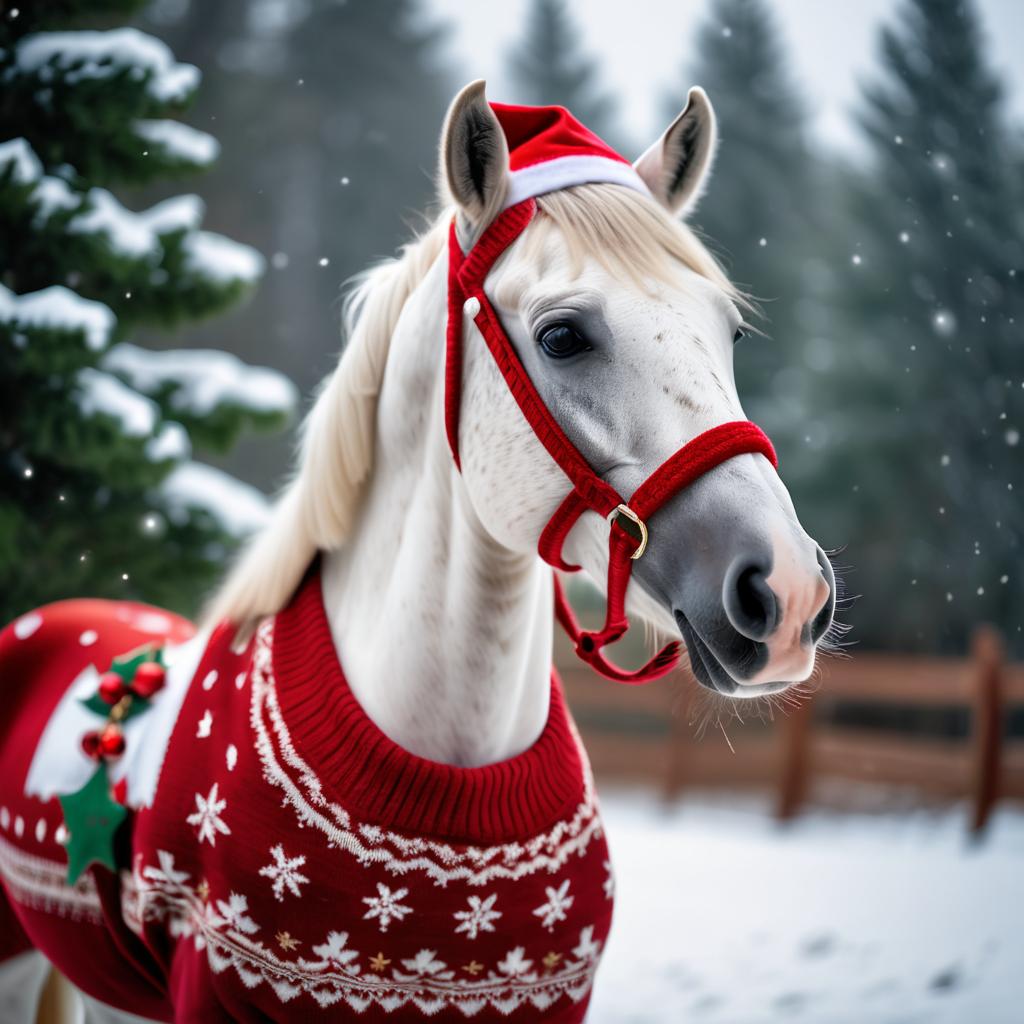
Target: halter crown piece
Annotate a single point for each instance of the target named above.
(549, 150)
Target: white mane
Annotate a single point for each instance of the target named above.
(316, 511)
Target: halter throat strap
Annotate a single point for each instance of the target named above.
(628, 530)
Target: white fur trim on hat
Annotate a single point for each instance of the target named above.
(566, 171)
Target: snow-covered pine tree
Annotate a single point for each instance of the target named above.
(334, 111)
(98, 493)
(931, 377)
(761, 209)
(767, 215)
(548, 66)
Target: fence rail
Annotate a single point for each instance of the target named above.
(649, 734)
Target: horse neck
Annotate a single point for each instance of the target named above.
(444, 635)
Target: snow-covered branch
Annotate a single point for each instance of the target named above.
(58, 309)
(104, 55)
(196, 382)
(179, 142)
(237, 507)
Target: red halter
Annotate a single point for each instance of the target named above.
(627, 521)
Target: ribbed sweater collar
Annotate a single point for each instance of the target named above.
(371, 776)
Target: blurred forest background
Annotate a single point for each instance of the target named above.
(891, 376)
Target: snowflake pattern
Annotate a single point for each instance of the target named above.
(515, 964)
(609, 881)
(386, 905)
(167, 872)
(559, 901)
(479, 917)
(207, 816)
(426, 965)
(234, 912)
(588, 948)
(284, 873)
(335, 953)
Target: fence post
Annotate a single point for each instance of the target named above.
(795, 737)
(986, 725)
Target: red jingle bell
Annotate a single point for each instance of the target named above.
(91, 745)
(111, 688)
(111, 742)
(149, 677)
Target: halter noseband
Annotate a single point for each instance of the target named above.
(628, 532)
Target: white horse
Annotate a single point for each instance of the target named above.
(438, 606)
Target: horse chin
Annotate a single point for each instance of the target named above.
(712, 674)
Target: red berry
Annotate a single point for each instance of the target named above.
(112, 688)
(91, 745)
(149, 677)
(111, 742)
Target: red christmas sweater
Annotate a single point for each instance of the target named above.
(283, 860)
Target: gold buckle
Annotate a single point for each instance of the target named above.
(625, 510)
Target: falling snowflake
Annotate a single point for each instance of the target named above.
(559, 901)
(588, 949)
(515, 964)
(479, 916)
(208, 816)
(284, 873)
(334, 952)
(385, 906)
(235, 914)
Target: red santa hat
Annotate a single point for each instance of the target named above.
(549, 150)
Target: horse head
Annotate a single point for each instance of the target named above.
(626, 327)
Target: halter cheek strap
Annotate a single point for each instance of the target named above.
(628, 533)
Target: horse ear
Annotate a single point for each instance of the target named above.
(676, 167)
(474, 157)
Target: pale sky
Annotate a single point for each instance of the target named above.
(646, 45)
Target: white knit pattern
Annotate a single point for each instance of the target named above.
(303, 792)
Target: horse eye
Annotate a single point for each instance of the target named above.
(561, 341)
(739, 335)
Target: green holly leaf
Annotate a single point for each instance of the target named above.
(99, 706)
(92, 817)
(126, 664)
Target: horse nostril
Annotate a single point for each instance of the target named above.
(749, 602)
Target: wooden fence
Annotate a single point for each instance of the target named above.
(649, 734)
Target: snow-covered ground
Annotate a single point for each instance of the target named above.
(723, 916)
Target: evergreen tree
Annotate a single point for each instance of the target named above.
(334, 112)
(763, 214)
(548, 67)
(98, 494)
(930, 384)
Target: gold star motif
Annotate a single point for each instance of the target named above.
(473, 968)
(551, 960)
(379, 962)
(203, 890)
(285, 941)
